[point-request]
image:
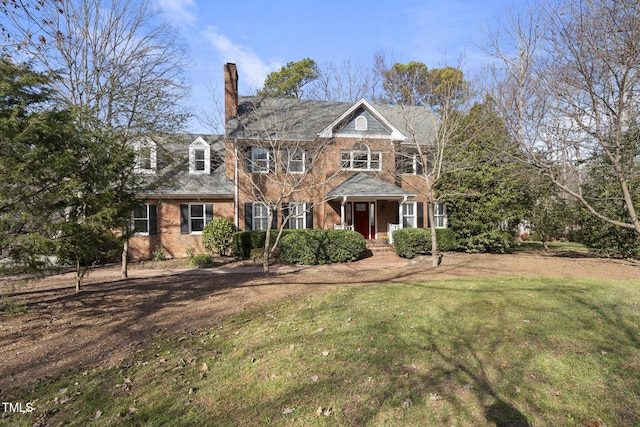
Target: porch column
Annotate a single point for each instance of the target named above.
(342, 211)
(400, 211)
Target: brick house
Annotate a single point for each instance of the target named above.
(311, 164)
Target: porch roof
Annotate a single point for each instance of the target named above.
(365, 185)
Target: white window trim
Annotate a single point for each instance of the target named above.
(414, 216)
(199, 144)
(413, 159)
(304, 161)
(147, 219)
(299, 216)
(262, 217)
(353, 153)
(361, 123)
(204, 217)
(153, 156)
(440, 216)
(269, 161)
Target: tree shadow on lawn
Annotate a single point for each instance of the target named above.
(108, 321)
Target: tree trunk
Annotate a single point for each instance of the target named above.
(435, 257)
(125, 261)
(78, 276)
(267, 244)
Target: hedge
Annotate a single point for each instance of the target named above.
(245, 241)
(410, 242)
(322, 247)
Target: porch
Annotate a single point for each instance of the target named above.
(370, 206)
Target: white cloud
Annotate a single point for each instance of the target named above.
(180, 12)
(252, 69)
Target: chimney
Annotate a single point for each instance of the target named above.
(230, 92)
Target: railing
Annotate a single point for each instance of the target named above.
(390, 229)
(343, 227)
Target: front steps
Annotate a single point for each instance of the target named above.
(378, 247)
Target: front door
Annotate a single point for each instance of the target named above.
(362, 219)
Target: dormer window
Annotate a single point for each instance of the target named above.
(199, 157)
(361, 123)
(146, 156)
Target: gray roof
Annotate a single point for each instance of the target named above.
(296, 119)
(363, 184)
(173, 177)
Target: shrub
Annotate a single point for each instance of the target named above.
(159, 255)
(410, 242)
(322, 247)
(494, 241)
(202, 260)
(244, 241)
(218, 235)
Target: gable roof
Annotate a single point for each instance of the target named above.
(306, 120)
(363, 184)
(394, 133)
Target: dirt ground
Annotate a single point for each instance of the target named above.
(112, 318)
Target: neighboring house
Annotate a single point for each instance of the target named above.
(357, 166)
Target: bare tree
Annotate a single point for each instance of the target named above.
(344, 82)
(282, 159)
(573, 73)
(430, 106)
(119, 65)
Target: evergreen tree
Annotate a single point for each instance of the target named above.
(487, 193)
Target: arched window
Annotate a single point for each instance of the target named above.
(360, 157)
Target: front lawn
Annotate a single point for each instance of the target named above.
(498, 351)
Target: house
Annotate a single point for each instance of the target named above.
(309, 164)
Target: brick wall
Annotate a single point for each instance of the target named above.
(169, 239)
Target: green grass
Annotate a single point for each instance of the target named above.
(531, 245)
(499, 351)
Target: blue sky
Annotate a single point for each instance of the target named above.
(261, 36)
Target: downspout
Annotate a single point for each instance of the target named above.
(236, 214)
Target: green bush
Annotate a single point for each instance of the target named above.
(202, 260)
(322, 247)
(410, 242)
(244, 241)
(217, 235)
(493, 241)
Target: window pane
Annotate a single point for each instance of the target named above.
(360, 160)
(199, 160)
(144, 158)
(297, 215)
(197, 211)
(140, 212)
(197, 224)
(140, 226)
(345, 159)
(260, 158)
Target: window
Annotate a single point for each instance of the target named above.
(261, 160)
(409, 215)
(360, 158)
(361, 123)
(144, 220)
(145, 157)
(409, 163)
(295, 161)
(199, 161)
(194, 217)
(260, 216)
(440, 215)
(199, 157)
(298, 215)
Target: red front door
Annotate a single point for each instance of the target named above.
(362, 219)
